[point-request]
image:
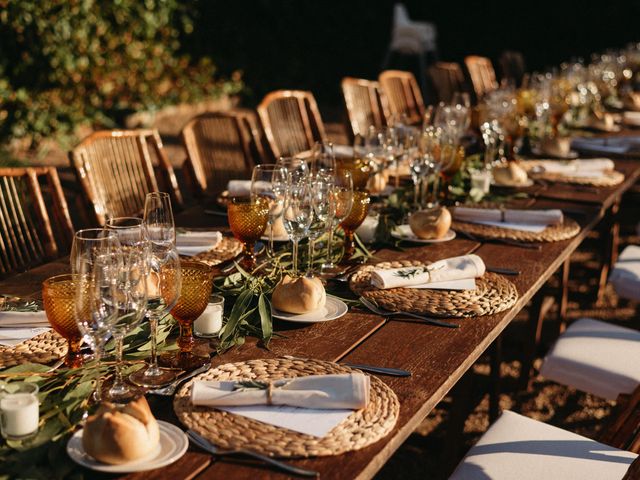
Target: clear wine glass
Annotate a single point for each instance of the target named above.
(131, 293)
(95, 260)
(269, 181)
(323, 157)
(298, 211)
(294, 164)
(163, 282)
(322, 185)
(340, 202)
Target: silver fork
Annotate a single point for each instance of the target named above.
(388, 313)
(172, 387)
(207, 446)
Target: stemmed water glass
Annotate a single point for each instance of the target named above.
(131, 293)
(163, 282)
(321, 190)
(298, 211)
(340, 202)
(294, 164)
(323, 157)
(269, 181)
(96, 261)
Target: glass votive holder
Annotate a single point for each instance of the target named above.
(209, 323)
(481, 179)
(19, 410)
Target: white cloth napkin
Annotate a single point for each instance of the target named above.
(23, 319)
(239, 188)
(193, 243)
(493, 215)
(454, 268)
(576, 168)
(10, 337)
(341, 391)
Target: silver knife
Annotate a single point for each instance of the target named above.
(395, 372)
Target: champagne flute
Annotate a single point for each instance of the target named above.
(294, 164)
(269, 181)
(95, 259)
(131, 293)
(163, 282)
(323, 158)
(298, 211)
(321, 189)
(340, 202)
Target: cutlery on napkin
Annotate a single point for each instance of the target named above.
(509, 217)
(466, 267)
(340, 391)
(193, 243)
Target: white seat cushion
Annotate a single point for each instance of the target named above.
(595, 357)
(517, 447)
(625, 276)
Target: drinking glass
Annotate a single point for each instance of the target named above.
(96, 260)
(248, 219)
(357, 214)
(131, 293)
(322, 184)
(197, 280)
(298, 211)
(269, 181)
(58, 297)
(294, 164)
(340, 201)
(163, 282)
(323, 157)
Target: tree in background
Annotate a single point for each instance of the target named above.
(66, 63)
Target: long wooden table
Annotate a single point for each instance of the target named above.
(437, 357)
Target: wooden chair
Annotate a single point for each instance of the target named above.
(291, 122)
(365, 103)
(115, 169)
(403, 94)
(221, 146)
(447, 79)
(512, 67)
(31, 233)
(482, 75)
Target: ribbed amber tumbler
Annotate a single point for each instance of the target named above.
(58, 298)
(359, 211)
(248, 220)
(197, 280)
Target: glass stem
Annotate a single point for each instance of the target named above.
(97, 353)
(295, 256)
(416, 188)
(330, 245)
(117, 381)
(153, 331)
(436, 188)
(311, 252)
(271, 252)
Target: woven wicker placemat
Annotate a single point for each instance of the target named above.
(226, 430)
(608, 179)
(44, 348)
(228, 249)
(553, 233)
(493, 294)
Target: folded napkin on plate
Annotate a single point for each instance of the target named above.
(579, 167)
(455, 268)
(193, 243)
(10, 337)
(341, 391)
(524, 217)
(9, 319)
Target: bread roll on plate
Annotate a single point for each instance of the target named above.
(298, 295)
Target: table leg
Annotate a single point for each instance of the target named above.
(610, 232)
(540, 306)
(496, 379)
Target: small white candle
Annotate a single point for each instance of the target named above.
(481, 180)
(210, 322)
(20, 414)
(367, 231)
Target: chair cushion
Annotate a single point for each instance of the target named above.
(517, 447)
(595, 357)
(625, 276)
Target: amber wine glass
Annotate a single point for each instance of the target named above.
(359, 211)
(248, 219)
(197, 280)
(58, 298)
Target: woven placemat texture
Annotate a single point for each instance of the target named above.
(228, 249)
(493, 294)
(569, 228)
(44, 348)
(608, 179)
(226, 430)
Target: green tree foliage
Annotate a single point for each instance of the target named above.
(68, 62)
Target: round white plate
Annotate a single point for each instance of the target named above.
(334, 308)
(528, 183)
(173, 444)
(404, 232)
(284, 238)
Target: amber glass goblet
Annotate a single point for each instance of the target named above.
(248, 219)
(197, 280)
(359, 211)
(58, 298)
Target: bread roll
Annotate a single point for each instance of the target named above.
(299, 295)
(511, 174)
(430, 224)
(557, 146)
(121, 434)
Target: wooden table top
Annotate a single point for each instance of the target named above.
(437, 357)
